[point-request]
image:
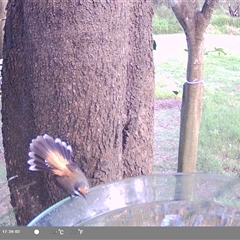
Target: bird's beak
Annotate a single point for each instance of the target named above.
(83, 191)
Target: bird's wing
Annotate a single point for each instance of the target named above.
(50, 155)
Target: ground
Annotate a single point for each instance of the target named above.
(167, 104)
(166, 134)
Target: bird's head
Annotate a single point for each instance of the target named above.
(81, 189)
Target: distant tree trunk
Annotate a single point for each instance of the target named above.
(194, 23)
(81, 71)
(3, 4)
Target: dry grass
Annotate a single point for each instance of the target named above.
(6, 211)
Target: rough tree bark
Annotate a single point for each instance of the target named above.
(194, 23)
(81, 71)
(3, 4)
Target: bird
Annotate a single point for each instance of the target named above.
(55, 156)
(175, 92)
(154, 45)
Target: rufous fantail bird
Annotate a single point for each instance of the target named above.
(55, 156)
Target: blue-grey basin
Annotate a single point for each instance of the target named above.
(154, 200)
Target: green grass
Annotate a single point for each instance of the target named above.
(219, 148)
(169, 77)
(219, 142)
(165, 22)
(222, 22)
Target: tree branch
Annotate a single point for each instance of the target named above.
(188, 12)
(206, 12)
(184, 12)
(208, 8)
(204, 16)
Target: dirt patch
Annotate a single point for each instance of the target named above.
(173, 45)
(170, 103)
(166, 134)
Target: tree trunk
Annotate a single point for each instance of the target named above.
(3, 4)
(194, 23)
(81, 71)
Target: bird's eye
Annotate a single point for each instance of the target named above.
(76, 192)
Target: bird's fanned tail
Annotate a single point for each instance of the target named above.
(49, 155)
(55, 156)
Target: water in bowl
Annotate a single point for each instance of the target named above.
(174, 213)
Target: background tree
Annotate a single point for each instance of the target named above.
(81, 71)
(194, 23)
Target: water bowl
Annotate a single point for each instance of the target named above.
(154, 200)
